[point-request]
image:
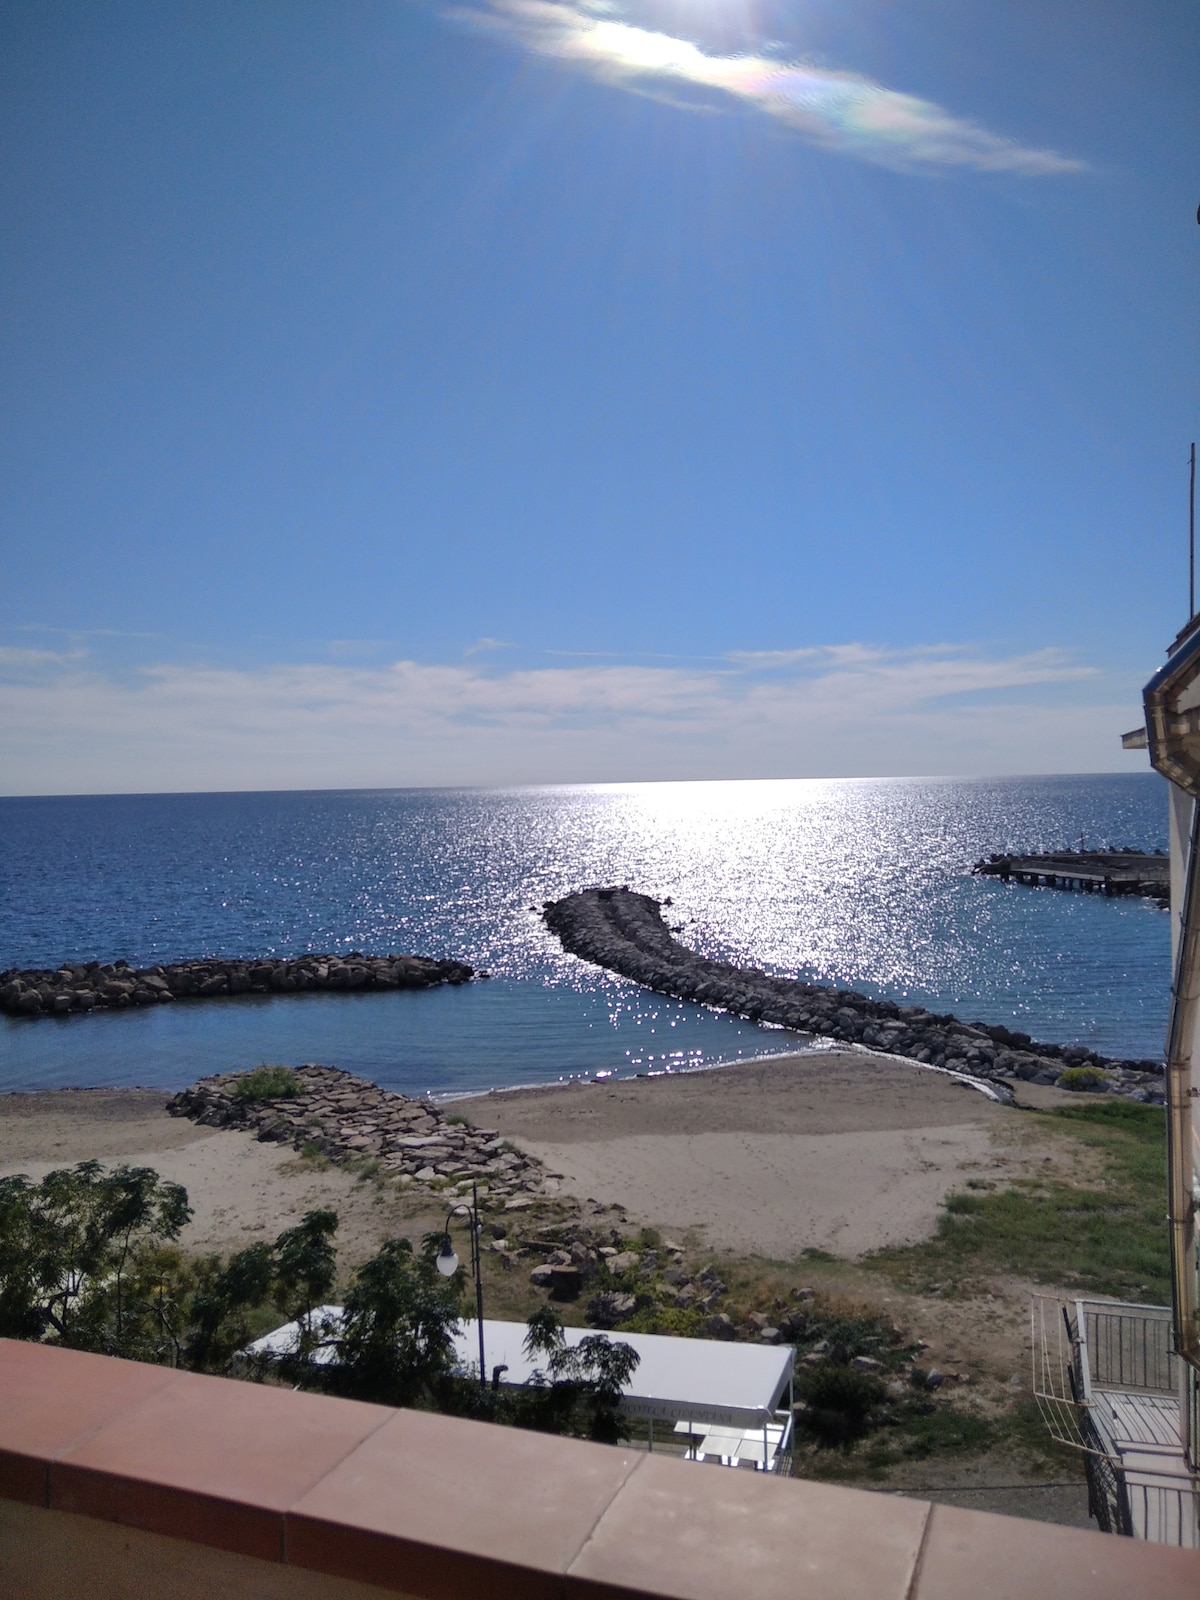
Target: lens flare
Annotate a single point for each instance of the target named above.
(841, 111)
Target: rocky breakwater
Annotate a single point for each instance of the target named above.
(625, 932)
(345, 1118)
(107, 986)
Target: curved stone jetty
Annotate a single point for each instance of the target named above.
(625, 932)
(104, 986)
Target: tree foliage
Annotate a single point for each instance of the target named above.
(579, 1389)
(88, 1259)
(396, 1344)
(83, 1258)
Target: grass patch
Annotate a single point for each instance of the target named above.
(843, 1437)
(365, 1168)
(925, 1430)
(314, 1156)
(1023, 1431)
(680, 1320)
(1108, 1237)
(1082, 1078)
(268, 1083)
(920, 1430)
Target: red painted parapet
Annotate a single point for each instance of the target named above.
(431, 1506)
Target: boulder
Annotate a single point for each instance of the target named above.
(607, 1309)
(565, 1282)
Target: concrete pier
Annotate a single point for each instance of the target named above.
(1089, 872)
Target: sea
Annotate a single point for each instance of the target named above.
(865, 884)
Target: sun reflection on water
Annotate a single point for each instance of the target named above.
(863, 883)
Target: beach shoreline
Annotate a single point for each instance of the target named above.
(833, 1149)
(820, 1046)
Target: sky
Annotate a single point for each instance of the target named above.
(523, 391)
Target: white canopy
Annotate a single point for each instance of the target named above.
(700, 1380)
(696, 1380)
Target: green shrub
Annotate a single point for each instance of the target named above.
(839, 1401)
(844, 1331)
(268, 1083)
(1082, 1078)
(682, 1321)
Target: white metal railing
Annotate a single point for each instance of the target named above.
(1107, 1382)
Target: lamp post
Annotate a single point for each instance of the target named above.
(447, 1263)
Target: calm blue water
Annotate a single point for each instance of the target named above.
(864, 883)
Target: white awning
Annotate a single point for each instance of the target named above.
(325, 1326)
(711, 1381)
(701, 1380)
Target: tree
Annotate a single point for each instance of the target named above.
(74, 1250)
(88, 1259)
(306, 1264)
(580, 1389)
(396, 1345)
(219, 1307)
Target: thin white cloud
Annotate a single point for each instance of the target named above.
(68, 726)
(22, 658)
(841, 111)
(486, 645)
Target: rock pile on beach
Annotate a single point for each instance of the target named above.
(347, 1118)
(625, 932)
(101, 986)
(622, 1275)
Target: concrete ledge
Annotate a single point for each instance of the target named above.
(330, 1497)
(51, 1555)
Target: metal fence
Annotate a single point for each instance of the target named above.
(1128, 1347)
(1092, 1359)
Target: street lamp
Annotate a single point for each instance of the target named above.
(447, 1263)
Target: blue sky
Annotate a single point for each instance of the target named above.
(508, 391)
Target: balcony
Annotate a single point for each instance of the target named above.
(1109, 1383)
(118, 1479)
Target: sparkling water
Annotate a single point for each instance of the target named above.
(862, 883)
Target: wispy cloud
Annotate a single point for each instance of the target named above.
(486, 645)
(18, 659)
(842, 111)
(67, 725)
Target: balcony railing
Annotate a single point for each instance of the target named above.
(1109, 1383)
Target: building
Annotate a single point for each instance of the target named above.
(1122, 1382)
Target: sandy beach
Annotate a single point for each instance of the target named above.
(241, 1191)
(841, 1151)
